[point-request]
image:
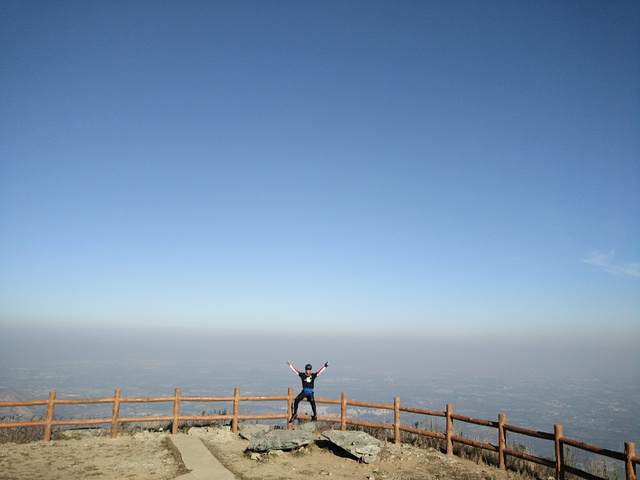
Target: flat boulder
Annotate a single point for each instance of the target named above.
(359, 444)
(307, 426)
(280, 440)
(249, 431)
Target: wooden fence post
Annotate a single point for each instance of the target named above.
(502, 440)
(557, 430)
(289, 408)
(236, 410)
(449, 435)
(116, 411)
(629, 452)
(176, 411)
(396, 421)
(343, 411)
(49, 420)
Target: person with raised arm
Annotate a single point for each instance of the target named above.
(308, 379)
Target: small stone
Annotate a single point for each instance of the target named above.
(256, 456)
(446, 459)
(325, 472)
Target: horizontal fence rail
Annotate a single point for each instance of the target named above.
(629, 456)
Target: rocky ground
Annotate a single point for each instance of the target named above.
(151, 456)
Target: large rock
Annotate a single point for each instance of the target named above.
(306, 426)
(280, 440)
(359, 444)
(249, 431)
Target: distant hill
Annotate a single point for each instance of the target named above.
(14, 395)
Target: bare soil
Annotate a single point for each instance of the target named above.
(89, 455)
(151, 456)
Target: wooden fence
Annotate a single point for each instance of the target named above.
(448, 436)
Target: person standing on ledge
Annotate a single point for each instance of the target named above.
(307, 388)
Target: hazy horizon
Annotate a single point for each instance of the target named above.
(606, 353)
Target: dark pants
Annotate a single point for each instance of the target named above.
(301, 396)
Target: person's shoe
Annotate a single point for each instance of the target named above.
(314, 418)
(293, 417)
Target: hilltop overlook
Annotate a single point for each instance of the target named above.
(151, 456)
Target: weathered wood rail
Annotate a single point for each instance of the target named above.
(629, 456)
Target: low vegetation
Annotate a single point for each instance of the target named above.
(20, 434)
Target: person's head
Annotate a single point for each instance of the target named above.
(308, 368)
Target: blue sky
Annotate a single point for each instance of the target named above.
(420, 168)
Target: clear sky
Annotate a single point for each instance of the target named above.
(423, 168)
